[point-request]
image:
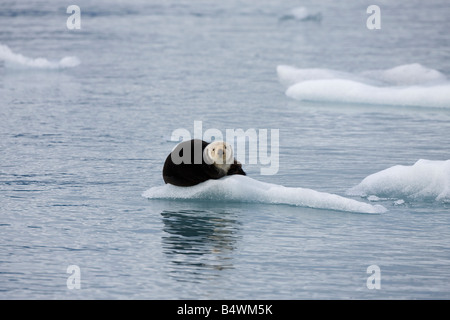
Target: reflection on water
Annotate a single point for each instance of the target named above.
(199, 243)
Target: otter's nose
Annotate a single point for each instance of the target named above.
(220, 152)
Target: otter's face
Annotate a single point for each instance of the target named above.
(220, 154)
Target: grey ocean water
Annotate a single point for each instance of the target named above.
(79, 146)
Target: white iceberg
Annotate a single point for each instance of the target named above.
(17, 60)
(238, 188)
(425, 180)
(406, 85)
(302, 14)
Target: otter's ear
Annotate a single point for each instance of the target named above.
(206, 157)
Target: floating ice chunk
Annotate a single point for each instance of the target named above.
(373, 198)
(238, 188)
(426, 179)
(302, 14)
(407, 85)
(17, 60)
(338, 90)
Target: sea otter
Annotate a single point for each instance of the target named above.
(195, 161)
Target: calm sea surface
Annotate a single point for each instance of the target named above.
(79, 146)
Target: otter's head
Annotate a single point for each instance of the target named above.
(220, 154)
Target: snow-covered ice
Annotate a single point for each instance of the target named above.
(425, 180)
(238, 188)
(405, 85)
